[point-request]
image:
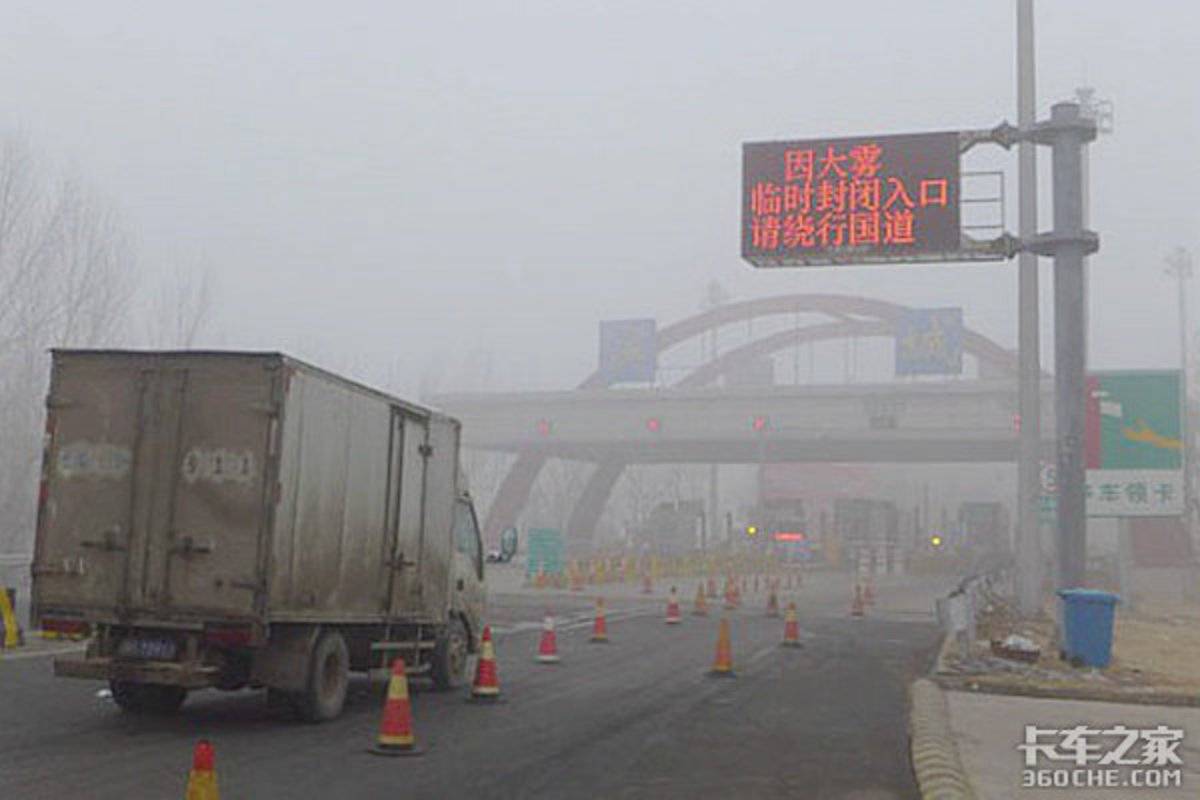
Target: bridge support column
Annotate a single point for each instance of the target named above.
(512, 496)
(582, 524)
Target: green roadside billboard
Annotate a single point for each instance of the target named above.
(1133, 444)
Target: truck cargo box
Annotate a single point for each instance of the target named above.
(183, 487)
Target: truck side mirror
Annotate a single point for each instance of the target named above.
(508, 544)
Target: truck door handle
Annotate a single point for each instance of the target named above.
(400, 562)
(107, 541)
(189, 547)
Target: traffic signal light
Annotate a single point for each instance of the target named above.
(654, 424)
(759, 423)
(752, 530)
(935, 540)
(543, 427)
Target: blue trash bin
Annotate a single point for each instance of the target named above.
(1087, 626)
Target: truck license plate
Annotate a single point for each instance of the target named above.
(151, 649)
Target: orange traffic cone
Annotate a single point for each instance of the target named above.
(202, 780)
(723, 664)
(869, 592)
(772, 604)
(600, 627)
(486, 687)
(548, 647)
(856, 607)
(730, 601)
(791, 628)
(576, 578)
(737, 596)
(647, 584)
(700, 606)
(711, 588)
(395, 731)
(673, 617)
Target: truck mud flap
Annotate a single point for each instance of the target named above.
(189, 676)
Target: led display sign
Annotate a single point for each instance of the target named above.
(856, 200)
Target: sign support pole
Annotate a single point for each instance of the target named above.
(1029, 556)
(1066, 132)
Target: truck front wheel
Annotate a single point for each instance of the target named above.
(147, 698)
(449, 666)
(328, 679)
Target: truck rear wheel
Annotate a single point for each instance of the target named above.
(328, 679)
(449, 666)
(147, 698)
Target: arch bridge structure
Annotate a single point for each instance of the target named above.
(695, 420)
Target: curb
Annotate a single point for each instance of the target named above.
(980, 684)
(933, 753)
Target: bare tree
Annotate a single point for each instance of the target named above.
(181, 304)
(556, 491)
(66, 279)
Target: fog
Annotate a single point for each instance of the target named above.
(394, 188)
(439, 198)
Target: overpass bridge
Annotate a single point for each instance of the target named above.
(698, 421)
(951, 421)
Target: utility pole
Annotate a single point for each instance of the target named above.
(1100, 112)
(1029, 556)
(1179, 266)
(1066, 132)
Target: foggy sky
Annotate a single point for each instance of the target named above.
(391, 186)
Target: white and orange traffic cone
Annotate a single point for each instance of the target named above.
(600, 626)
(700, 605)
(647, 584)
(395, 730)
(202, 780)
(673, 616)
(723, 663)
(710, 589)
(772, 604)
(486, 687)
(548, 646)
(791, 627)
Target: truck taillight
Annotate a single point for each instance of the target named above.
(229, 635)
(68, 627)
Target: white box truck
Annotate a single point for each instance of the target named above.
(230, 519)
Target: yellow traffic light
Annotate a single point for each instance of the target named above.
(751, 530)
(935, 540)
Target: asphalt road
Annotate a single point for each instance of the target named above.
(634, 718)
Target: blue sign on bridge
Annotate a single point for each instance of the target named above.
(629, 350)
(929, 341)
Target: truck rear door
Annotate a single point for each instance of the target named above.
(159, 468)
